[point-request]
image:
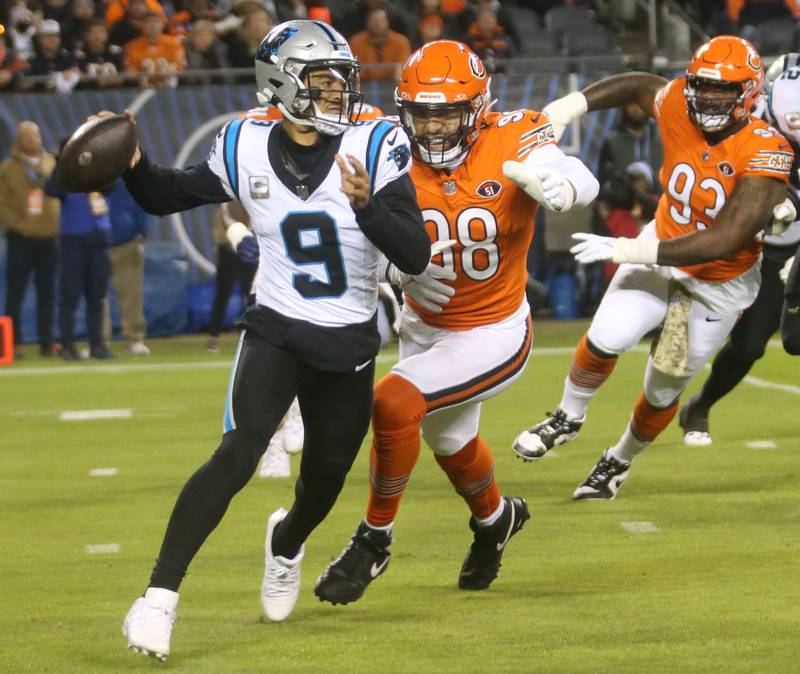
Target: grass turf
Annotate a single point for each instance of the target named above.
(714, 588)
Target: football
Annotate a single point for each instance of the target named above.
(97, 154)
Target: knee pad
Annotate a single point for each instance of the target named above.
(445, 445)
(662, 390)
(397, 404)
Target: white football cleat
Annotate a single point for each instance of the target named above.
(139, 349)
(275, 462)
(697, 439)
(293, 431)
(281, 584)
(148, 625)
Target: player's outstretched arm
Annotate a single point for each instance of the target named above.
(749, 210)
(610, 92)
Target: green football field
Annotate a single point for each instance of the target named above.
(693, 568)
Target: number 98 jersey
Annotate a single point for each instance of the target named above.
(489, 217)
(316, 264)
(698, 178)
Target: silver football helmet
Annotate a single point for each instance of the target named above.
(284, 60)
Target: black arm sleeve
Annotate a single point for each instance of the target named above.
(160, 190)
(393, 223)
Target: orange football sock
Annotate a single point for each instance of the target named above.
(471, 471)
(587, 373)
(648, 421)
(398, 408)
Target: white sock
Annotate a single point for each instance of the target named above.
(489, 521)
(575, 399)
(628, 447)
(387, 529)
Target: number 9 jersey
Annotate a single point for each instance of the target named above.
(488, 216)
(698, 178)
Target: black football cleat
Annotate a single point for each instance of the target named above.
(482, 563)
(693, 419)
(605, 479)
(362, 561)
(554, 430)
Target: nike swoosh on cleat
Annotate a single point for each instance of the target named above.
(376, 569)
(500, 546)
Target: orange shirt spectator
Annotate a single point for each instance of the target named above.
(378, 44)
(155, 52)
(116, 11)
(762, 10)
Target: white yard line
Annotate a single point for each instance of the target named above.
(762, 444)
(103, 472)
(102, 549)
(94, 415)
(639, 527)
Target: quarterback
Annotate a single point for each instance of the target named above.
(328, 198)
(466, 330)
(696, 267)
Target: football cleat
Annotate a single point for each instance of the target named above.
(362, 561)
(482, 563)
(281, 584)
(275, 462)
(694, 422)
(293, 431)
(148, 625)
(556, 429)
(605, 479)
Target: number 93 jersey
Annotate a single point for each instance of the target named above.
(699, 178)
(315, 262)
(489, 217)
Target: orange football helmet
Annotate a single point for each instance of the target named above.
(725, 64)
(438, 79)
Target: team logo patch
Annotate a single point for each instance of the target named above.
(489, 189)
(259, 187)
(400, 156)
(476, 66)
(726, 168)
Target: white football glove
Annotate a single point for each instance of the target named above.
(564, 110)
(596, 248)
(784, 272)
(545, 184)
(783, 215)
(426, 288)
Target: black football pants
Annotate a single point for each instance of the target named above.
(336, 409)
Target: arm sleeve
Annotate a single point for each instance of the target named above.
(573, 169)
(393, 223)
(160, 190)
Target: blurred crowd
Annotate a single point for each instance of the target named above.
(60, 44)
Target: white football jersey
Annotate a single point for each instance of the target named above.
(315, 262)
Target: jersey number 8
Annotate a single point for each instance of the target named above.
(480, 256)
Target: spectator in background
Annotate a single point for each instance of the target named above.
(117, 10)
(256, 23)
(22, 30)
(129, 27)
(99, 60)
(355, 20)
(57, 10)
(85, 266)
(752, 12)
(489, 41)
(128, 231)
(11, 67)
(204, 51)
(430, 29)
(230, 269)
(31, 223)
(635, 139)
(377, 45)
(52, 60)
(181, 22)
(75, 27)
(156, 54)
(503, 18)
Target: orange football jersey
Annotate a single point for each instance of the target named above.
(272, 114)
(490, 218)
(699, 178)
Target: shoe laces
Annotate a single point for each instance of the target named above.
(606, 468)
(282, 579)
(557, 422)
(152, 616)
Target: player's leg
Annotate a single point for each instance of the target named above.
(467, 461)
(746, 345)
(262, 384)
(224, 281)
(71, 274)
(337, 408)
(633, 305)
(790, 320)
(657, 405)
